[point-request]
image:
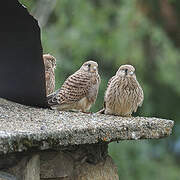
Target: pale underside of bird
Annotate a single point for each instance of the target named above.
(50, 65)
(124, 94)
(79, 91)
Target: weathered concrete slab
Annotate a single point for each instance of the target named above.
(27, 168)
(22, 128)
(32, 170)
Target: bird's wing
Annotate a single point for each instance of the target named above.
(141, 97)
(110, 80)
(74, 88)
(108, 84)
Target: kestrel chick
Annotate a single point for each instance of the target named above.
(124, 94)
(50, 65)
(79, 91)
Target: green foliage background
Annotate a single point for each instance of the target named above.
(118, 32)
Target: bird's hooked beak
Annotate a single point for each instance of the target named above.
(131, 73)
(94, 68)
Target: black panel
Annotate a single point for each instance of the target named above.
(22, 76)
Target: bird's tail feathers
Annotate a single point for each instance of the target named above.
(101, 111)
(51, 98)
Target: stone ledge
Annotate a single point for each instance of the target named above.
(23, 128)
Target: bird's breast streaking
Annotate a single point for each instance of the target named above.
(124, 94)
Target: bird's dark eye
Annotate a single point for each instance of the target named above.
(126, 70)
(89, 65)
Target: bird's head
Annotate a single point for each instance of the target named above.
(126, 71)
(90, 66)
(49, 61)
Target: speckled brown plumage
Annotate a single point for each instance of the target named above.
(124, 94)
(50, 65)
(79, 91)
